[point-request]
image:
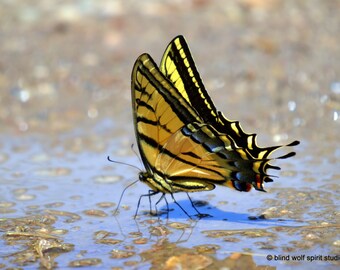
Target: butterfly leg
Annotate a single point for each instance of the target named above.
(167, 207)
(172, 196)
(199, 214)
(162, 197)
(167, 204)
(150, 193)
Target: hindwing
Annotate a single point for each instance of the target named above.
(178, 66)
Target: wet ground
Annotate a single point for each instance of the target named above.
(65, 106)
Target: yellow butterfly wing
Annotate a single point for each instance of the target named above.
(178, 66)
(154, 119)
(198, 161)
(180, 156)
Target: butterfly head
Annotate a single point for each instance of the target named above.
(144, 176)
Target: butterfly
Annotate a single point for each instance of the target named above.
(185, 144)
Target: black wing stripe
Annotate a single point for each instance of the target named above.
(148, 140)
(202, 100)
(182, 109)
(191, 164)
(141, 103)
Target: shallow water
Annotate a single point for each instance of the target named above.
(65, 106)
(69, 199)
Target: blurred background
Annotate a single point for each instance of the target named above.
(65, 69)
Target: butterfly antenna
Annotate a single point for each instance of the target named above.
(121, 196)
(123, 163)
(133, 150)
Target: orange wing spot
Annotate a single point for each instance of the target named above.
(259, 182)
(229, 184)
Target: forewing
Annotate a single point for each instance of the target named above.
(179, 67)
(158, 109)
